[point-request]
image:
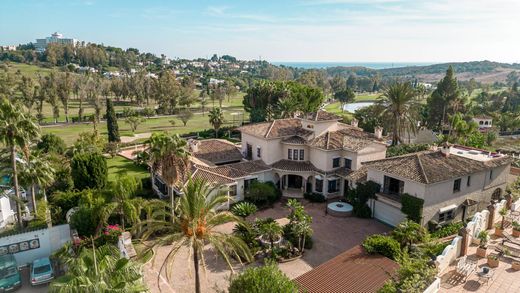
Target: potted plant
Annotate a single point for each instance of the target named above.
(482, 247)
(499, 231)
(492, 261)
(516, 229)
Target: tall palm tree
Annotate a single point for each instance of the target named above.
(216, 118)
(399, 104)
(170, 158)
(16, 131)
(37, 171)
(194, 228)
(99, 270)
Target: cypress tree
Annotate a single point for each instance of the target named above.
(113, 128)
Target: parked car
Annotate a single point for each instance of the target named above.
(41, 271)
(10, 278)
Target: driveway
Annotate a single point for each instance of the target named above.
(26, 285)
(331, 237)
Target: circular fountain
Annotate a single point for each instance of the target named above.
(339, 209)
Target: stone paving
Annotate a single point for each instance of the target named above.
(504, 279)
(331, 237)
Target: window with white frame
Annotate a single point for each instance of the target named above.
(335, 162)
(447, 213)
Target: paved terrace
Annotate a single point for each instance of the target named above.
(331, 237)
(504, 280)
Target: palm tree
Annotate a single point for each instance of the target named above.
(16, 130)
(409, 232)
(399, 104)
(272, 230)
(99, 269)
(37, 171)
(123, 204)
(169, 157)
(216, 118)
(194, 228)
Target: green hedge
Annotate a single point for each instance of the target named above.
(384, 245)
(412, 207)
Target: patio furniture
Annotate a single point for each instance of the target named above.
(509, 238)
(485, 274)
(465, 267)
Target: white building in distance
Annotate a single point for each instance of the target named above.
(55, 38)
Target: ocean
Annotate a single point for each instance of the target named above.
(372, 65)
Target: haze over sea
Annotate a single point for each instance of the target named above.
(372, 65)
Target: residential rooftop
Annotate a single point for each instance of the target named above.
(352, 271)
(433, 166)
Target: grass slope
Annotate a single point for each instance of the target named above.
(119, 166)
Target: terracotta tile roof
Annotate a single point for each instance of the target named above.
(276, 128)
(351, 271)
(432, 166)
(320, 115)
(294, 166)
(211, 177)
(225, 171)
(349, 138)
(217, 151)
(359, 175)
(294, 140)
(250, 166)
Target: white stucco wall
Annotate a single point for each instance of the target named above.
(50, 239)
(271, 149)
(440, 195)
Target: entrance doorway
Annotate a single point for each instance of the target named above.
(294, 181)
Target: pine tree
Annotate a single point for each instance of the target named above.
(113, 128)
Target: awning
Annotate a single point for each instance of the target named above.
(318, 177)
(448, 208)
(333, 177)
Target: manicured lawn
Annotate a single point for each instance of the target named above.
(29, 70)
(70, 132)
(335, 108)
(119, 166)
(367, 97)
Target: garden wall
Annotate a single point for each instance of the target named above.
(515, 206)
(434, 287)
(477, 224)
(28, 246)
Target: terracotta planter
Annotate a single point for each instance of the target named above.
(515, 265)
(516, 233)
(493, 263)
(498, 232)
(481, 252)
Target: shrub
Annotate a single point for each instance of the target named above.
(85, 221)
(359, 197)
(262, 193)
(263, 279)
(89, 170)
(412, 207)
(62, 202)
(409, 232)
(51, 143)
(447, 230)
(314, 197)
(244, 209)
(384, 245)
(289, 235)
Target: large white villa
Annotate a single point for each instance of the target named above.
(316, 153)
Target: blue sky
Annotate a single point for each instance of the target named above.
(292, 30)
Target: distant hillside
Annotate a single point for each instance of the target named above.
(483, 71)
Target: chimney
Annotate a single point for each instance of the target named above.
(445, 149)
(354, 122)
(378, 132)
(193, 145)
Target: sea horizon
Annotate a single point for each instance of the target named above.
(371, 65)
